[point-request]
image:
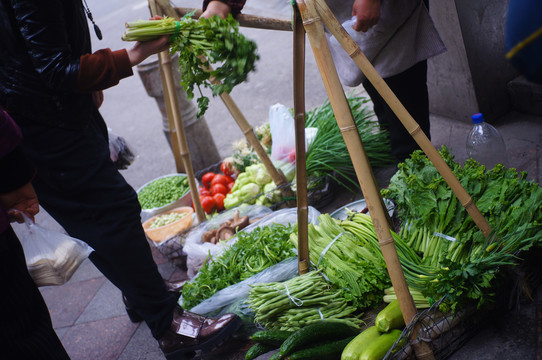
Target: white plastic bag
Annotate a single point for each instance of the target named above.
(282, 127)
(51, 256)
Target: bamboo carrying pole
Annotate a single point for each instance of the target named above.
(300, 155)
(406, 119)
(174, 110)
(315, 31)
(250, 21)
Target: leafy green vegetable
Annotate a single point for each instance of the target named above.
(249, 254)
(457, 261)
(201, 43)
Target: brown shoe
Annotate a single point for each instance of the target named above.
(172, 287)
(191, 333)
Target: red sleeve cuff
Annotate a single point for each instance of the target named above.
(103, 69)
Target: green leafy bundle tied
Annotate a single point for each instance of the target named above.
(201, 43)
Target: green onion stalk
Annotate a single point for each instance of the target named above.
(199, 44)
(328, 154)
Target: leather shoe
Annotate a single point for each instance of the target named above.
(172, 287)
(191, 333)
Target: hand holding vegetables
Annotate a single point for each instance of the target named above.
(199, 44)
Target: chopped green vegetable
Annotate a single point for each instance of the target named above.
(163, 191)
(166, 219)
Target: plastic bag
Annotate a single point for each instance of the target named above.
(220, 301)
(121, 154)
(51, 256)
(282, 127)
(197, 251)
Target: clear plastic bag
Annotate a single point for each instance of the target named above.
(52, 257)
(121, 154)
(282, 127)
(221, 301)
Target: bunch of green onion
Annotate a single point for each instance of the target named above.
(199, 44)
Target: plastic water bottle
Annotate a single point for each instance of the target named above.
(485, 144)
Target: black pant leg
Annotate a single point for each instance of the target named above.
(410, 87)
(81, 188)
(26, 331)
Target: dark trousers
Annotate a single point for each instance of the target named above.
(81, 188)
(26, 331)
(410, 87)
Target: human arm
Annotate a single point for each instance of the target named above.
(222, 7)
(16, 192)
(367, 14)
(56, 38)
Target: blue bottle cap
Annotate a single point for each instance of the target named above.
(477, 118)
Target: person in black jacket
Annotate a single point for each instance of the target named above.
(26, 331)
(49, 80)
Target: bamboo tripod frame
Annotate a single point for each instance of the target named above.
(309, 17)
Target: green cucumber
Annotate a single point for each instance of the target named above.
(377, 349)
(327, 330)
(271, 337)
(327, 351)
(276, 356)
(354, 348)
(390, 318)
(257, 350)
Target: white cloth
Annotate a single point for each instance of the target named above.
(404, 35)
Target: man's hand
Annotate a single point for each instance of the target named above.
(367, 13)
(216, 8)
(143, 49)
(22, 200)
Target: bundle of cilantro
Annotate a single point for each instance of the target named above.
(201, 43)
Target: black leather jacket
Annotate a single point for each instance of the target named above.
(41, 43)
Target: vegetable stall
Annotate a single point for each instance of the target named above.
(314, 285)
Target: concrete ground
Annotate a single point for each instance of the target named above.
(88, 313)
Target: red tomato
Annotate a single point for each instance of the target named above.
(207, 178)
(230, 185)
(203, 191)
(219, 198)
(219, 189)
(219, 179)
(230, 179)
(208, 203)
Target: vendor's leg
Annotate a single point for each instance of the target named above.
(410, 87)
(81, 188)
(26, 331)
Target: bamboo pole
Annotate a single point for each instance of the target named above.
(406, 119)
(173, 109)
(315, 31)
(250, 21)
(300, 155)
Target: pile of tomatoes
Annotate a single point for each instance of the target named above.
(214, 189)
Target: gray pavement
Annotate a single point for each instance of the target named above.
(88, 313)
